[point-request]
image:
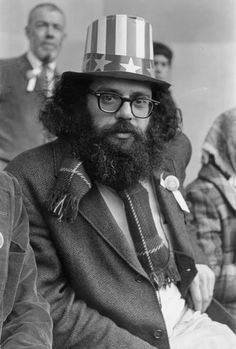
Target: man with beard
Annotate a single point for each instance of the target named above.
(107, 218)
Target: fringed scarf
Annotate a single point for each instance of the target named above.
(72, 184)
(153, 254)
(157, 260)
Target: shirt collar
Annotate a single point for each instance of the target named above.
(36, 63)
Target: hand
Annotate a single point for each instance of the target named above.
(202, 287)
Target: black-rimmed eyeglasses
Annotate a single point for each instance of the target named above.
(110, 102)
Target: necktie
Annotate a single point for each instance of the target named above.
(43, 80)
(153, 254)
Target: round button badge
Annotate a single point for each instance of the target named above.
(172, 183)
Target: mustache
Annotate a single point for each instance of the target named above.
(122, 126)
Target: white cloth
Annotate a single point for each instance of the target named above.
(172, 306)
(197, 331)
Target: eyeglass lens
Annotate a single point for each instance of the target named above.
(140, 107)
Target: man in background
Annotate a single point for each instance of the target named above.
(162, 61)
(27, 80)
(163, 56)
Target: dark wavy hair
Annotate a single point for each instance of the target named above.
(63, 113)
(161, 49)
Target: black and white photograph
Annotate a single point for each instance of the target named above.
(117, 174)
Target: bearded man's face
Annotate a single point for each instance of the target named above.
(115, 146)
(105, 120)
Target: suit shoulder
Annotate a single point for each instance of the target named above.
(37, 169)
(10, 62)
(33, 161)
(178, 152)
(179, 147)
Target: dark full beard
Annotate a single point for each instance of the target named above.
(118, 164)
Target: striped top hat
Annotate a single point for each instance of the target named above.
(119, 46)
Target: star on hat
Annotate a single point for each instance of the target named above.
(130, 67)
(101, 62)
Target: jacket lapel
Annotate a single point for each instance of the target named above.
(94, 209)
(173, 216)
(24, 65)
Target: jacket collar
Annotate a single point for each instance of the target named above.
(36, 63)
(23, 65)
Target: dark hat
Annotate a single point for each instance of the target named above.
(118, 46)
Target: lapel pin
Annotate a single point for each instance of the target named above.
(1, 240)
(31, 76)
(171, 183)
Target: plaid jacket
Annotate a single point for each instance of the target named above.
(212, 201)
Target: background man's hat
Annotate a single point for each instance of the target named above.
(118, 46)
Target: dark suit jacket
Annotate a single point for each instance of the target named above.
(179, 150)
(99, 294)
(20, 128)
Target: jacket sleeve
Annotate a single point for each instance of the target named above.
(75, 324)
(206, 220)
(198, 253)
(213, 226)
(28, 323)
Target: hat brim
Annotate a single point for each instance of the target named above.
(69, 75)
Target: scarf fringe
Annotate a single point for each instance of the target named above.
(63, 205)
(167, 276)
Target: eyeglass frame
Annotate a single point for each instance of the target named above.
(123, 99)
